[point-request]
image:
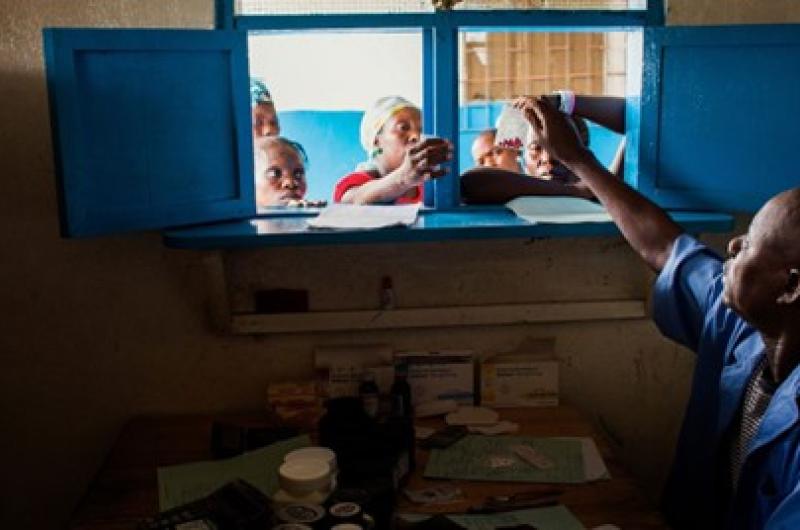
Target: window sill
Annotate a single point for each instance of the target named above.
(289, 228)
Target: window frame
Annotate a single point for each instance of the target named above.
(440, 48)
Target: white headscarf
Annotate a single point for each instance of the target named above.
(376, 117)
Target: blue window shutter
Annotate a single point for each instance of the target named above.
(151, 128)
(719, 111)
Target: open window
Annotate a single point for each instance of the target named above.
(706, 109)
(322, 81)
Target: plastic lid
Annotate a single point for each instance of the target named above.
(313, 452)
(301, 513)
(344, 510)
(304, 475)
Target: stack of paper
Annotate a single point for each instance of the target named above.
(573, 460)
(369, 217)
(558, 210)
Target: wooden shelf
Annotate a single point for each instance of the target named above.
(506, 314)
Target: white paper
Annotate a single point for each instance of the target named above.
(593, 464)
(558, 210)
(352, 216)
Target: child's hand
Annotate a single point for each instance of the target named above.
(422, 161)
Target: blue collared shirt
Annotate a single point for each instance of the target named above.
(687, 307)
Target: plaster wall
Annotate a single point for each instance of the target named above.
(96, 331)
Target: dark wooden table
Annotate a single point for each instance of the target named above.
(125, 490)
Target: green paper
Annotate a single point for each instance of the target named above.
(551, 518)
(184, 483)
(476, 457)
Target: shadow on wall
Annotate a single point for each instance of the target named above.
(330, 139)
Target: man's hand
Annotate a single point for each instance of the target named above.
(648, 229)
(552, 131)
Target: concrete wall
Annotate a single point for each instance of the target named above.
(96, 331)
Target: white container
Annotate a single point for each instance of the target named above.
(304, 480)
(513, 129)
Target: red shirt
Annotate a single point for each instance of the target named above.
(358, 178)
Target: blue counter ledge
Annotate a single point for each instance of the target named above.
(289, 228)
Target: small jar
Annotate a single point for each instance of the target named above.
(304, 481)
(348, 513)
(310, 515)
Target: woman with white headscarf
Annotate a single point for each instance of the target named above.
(398, 162)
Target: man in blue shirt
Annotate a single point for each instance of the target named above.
(737, 464)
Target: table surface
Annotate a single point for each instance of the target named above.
(125, 490)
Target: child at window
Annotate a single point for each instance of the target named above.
(399, 161)
(486, 154)
(265, 118)
(539, 163)
(280, 171)
(490, 186)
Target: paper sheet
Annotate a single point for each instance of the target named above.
(558, 210)
(180, 484)
(476, 457)
(352, 216)
(551, 518)
(593, 464)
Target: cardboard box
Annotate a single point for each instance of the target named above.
(519, 382)
(440, 375)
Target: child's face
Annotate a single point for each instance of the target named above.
(486, 154)
(400, 131)
(265, 121)
(540, 164)
(281, 177)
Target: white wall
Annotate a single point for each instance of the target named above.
(305, 71)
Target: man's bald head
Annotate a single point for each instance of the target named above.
(779, 223)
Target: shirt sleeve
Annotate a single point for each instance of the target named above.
(787, 514)
(353, 180)
(687, 289)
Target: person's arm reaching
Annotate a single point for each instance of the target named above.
(607, 111)
(648, 228)
(419, 164)
(487, 185)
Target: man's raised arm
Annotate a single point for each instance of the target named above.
(647, 227)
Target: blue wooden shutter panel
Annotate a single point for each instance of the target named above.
(151, 128)
(719, 115)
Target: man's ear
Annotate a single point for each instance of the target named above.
(791, 293)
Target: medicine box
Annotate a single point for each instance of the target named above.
(516, 382)
(438, 375)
